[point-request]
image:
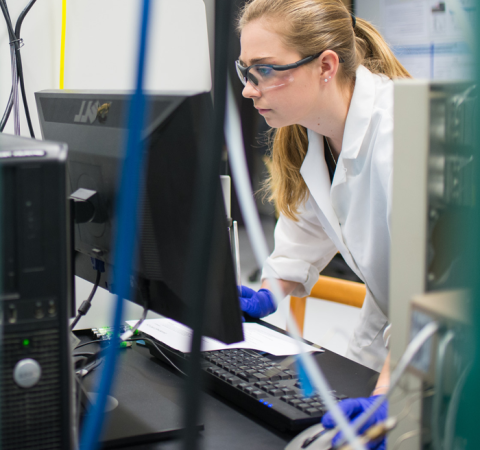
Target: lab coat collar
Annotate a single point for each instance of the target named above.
(359, 113)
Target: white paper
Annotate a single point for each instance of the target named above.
(257, 337)
(406, 19)
(431, 38)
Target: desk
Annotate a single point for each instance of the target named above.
(229, 427)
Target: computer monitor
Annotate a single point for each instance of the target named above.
(93, 124)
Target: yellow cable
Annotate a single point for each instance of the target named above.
(62, 43)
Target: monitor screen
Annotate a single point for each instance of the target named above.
(93, 126)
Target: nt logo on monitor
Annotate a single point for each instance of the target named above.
(91, 111)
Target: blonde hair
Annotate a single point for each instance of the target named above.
(311, 26)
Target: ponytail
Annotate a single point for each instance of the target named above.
(374, 53)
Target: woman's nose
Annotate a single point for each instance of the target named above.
(250, 92)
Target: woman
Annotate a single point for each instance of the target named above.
(323, 80)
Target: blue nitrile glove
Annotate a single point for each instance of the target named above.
(256, 304)
(355, 407)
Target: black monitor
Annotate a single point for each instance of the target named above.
(93, 124)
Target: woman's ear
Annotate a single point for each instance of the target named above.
(328, 63)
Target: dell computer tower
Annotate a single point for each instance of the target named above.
(36, 293)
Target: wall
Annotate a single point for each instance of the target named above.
(101, 48)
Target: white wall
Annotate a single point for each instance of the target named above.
(101, 48)
(370, 10)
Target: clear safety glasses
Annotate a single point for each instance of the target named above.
(268, 76)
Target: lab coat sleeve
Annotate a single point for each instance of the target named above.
(302, 250)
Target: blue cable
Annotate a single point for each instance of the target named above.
(125, 237)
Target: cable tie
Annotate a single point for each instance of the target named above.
(17, 40)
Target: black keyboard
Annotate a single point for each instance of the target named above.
(256, 382)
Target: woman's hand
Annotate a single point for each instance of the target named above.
(256, 304)
(355, 407)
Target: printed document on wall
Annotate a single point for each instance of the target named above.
(431, 38)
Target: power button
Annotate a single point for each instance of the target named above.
(27, 373)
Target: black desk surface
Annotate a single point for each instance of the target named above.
(227, 426)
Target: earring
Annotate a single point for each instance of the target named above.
(326, 80)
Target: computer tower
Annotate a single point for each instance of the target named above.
(36, 388)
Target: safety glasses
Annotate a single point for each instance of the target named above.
(269, 76)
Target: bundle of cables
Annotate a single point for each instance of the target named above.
(17, 69)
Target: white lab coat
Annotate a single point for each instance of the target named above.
(350, 215)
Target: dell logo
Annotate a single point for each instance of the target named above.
(92, 111)
(87, 113)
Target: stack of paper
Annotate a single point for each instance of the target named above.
(257, 337)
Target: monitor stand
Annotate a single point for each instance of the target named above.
(148, 402)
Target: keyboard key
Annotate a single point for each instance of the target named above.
(258, 394)
(295, 402)
(313, 411)
(341, 396)
(247, 377)
(286, 398)
(275, 392)
(234, 380)
(261, 384)
(303, 406)
(250, 389)
(289, 391)
(284, 376)
(259, 376)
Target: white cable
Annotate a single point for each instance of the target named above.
(412, 349)
(235, 146)
(438, 398)
(16, 113)
(450, 421)
(415, 345)
(129, 333)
